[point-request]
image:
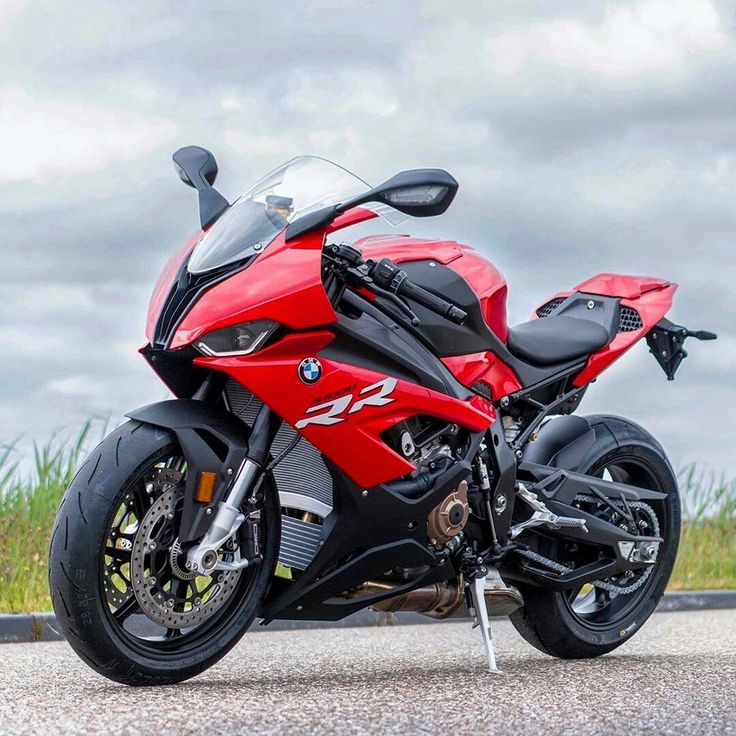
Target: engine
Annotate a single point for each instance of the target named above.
(431, 446)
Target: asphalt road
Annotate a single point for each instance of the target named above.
(677, 675)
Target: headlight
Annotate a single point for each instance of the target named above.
(237, 340)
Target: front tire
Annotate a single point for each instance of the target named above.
(562, 624)
(91, 581)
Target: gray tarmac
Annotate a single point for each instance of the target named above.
(676, 676)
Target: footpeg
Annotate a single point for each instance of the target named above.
(571, 521)
(480, 614)
(541, 515)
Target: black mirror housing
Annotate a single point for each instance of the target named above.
(197, 168)
(417, 192)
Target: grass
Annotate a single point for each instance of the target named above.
(707, 556)
(28, 504)
(29, 499)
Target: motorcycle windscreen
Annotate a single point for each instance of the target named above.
(300, 186)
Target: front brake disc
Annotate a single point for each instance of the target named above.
(168, 599)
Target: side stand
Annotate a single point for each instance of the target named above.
(477, 592)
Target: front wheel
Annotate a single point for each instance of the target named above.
(595, 619)
(121, 593)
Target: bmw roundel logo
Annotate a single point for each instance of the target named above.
(310, 370)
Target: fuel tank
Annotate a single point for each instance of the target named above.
(486, 283)
(461, 275)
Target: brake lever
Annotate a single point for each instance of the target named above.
(397, 301)
(347, 260)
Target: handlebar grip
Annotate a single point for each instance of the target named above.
(390, 276)
(432, 302)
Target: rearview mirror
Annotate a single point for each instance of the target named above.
(197, 167)
(419, 192)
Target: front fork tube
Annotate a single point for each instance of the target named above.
(204, 557)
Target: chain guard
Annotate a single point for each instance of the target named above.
(602, 584)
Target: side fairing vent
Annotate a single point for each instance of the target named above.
(629, 319)
(302, 478)
(546, 309)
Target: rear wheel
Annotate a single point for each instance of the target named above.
(120, 590)
(595, 619)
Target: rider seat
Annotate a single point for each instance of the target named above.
(556, 339)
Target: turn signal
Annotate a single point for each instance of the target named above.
(205, 487)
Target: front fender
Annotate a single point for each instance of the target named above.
(212, 440)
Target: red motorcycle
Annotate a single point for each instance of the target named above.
(355, 425)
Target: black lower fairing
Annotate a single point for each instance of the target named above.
(369, 532)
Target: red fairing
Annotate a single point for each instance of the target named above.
(165, 280)
(651, 306)
(626, 287)
(352, 439)
(484, 368)
(651, 297)
(283, 284)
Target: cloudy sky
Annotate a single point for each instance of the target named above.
(587, 136)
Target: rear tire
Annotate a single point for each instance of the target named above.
(77, 578)
(548, 620)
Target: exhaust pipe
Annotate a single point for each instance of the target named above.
(439, 600)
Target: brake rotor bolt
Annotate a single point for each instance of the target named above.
(170, 515)
(197, 601)
(170, 603)
(152, 546)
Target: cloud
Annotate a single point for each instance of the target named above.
(43, 138)
(586, 137)
(639, 41)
